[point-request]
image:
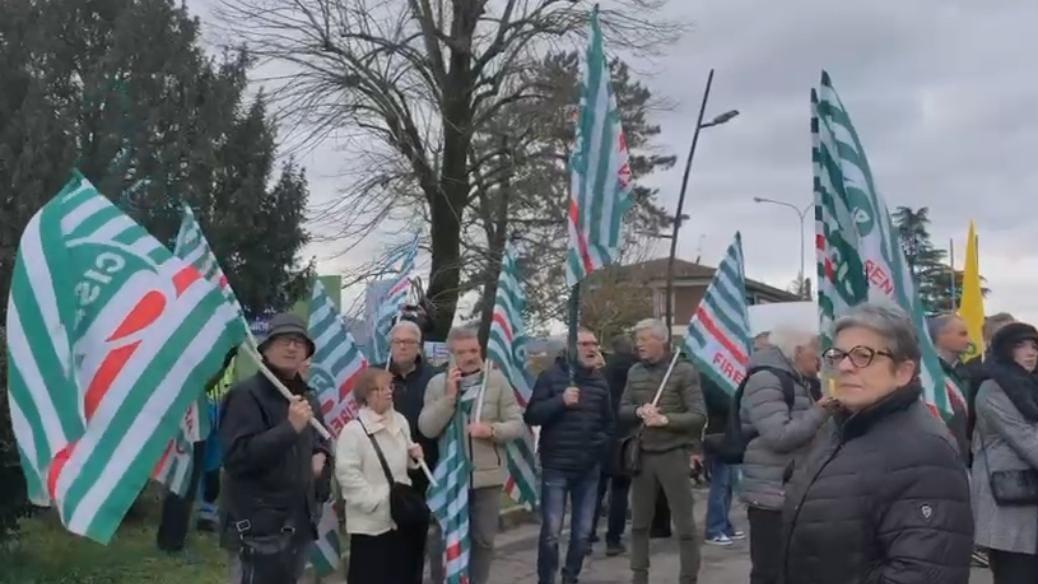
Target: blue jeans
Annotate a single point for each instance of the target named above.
(720, 499)
(582, 490)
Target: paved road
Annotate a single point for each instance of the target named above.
(516, 561)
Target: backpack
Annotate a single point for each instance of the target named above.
(730, 447)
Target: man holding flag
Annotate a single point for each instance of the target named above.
(575, 413)
(490, 421)
(278, 467)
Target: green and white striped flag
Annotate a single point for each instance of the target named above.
(718, 338)
(174, 468)
(859, 255)
(325, 553)
(600, 176)
(110, 338)
(506, 347)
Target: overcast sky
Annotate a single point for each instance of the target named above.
(942, 94)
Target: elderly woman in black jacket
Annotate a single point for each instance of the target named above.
(885, 498)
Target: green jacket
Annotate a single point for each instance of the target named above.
(681, 402)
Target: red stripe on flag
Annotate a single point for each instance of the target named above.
(399, 286)
(56, 467)
(110, 368)
(162, 460)
(148, 309)
(223, 281)
(327, 407)
(347, 386)
(184, 278)
(453, 551)
(574, 219)
(506, 326)
(820, 241)
(711, 327)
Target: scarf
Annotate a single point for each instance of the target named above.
(1020, 386)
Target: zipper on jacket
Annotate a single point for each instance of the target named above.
(788, 537)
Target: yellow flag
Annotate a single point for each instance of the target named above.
(972, 307)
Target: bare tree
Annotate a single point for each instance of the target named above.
(413, 81)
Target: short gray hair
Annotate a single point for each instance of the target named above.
(461, 333)
(888, 321)
(936, 325)
(787, 338)
(406, 325)
(654, 325)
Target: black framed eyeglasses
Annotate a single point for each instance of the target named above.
(860, 356)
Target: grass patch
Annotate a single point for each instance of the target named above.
(45, 553)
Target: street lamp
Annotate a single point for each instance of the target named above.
(802, 214)
(678, 217)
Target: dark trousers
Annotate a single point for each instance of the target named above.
(1013, 568)
(176, 511)
(619, 488)
(765, 545)
(387, 558)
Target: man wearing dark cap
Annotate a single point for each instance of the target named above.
(278, 467)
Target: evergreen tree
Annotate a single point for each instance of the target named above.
(930, 271)
(122, 90)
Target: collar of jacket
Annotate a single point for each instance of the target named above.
(418, 363)
(374, 422)
(856, 424)
(296, 385)
(664, 362)
(582, 371)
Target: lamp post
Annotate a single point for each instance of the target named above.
(678, 217)
(802, 214)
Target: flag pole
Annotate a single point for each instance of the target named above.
(482, 390)
(574, 318)
(951, 247)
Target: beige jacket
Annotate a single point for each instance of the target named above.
(500, 410)
(361, 478)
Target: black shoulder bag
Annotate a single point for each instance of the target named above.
(1010, 488)
(406, 505)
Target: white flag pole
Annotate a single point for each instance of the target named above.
(666, 378)
(482, 391)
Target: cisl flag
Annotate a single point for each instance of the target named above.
(110, 338)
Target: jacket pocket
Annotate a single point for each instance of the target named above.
(268, 520)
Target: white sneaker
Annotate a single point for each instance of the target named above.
(721, 540)
(737, 535)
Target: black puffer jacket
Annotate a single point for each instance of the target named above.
(884, 500)
(573, 439)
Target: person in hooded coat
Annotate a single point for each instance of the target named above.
(1006, 443)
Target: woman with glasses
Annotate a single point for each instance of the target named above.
(884, 498)
(1005, 456)
(377, 442)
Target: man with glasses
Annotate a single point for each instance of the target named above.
(278, 468)
(575, 413)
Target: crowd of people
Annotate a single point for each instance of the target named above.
(855, 481)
